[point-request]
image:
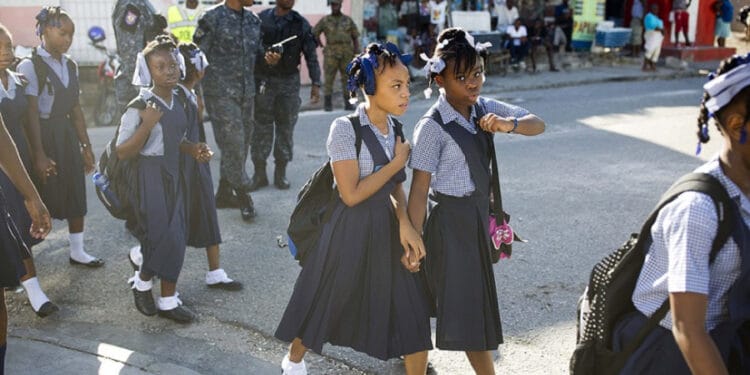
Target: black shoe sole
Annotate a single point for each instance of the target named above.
(182, 318)
(234, 286)
(96, 263)
(47, 309)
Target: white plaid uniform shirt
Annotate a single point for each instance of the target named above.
(435, 151)
(678, 259)
(341, 142)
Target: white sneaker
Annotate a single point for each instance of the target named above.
(290, 368)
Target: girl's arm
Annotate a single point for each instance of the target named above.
(199, 151)
(43, 166)
(10, 163)
(410, 239)
(83, 138)
(353, 190)
(689, 330)
(527, 125)
(149, 117)
(417, 209)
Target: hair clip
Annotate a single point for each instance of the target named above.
(433, 64)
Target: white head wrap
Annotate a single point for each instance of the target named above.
(724, 87)
(142, 76)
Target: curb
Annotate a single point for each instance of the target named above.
(127, 357)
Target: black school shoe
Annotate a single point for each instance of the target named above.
(179, 314)
(232, 286)
(94, 263)
(225, 197)
(144, 302)
(47, 309)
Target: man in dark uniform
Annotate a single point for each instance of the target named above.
(230, 35)
(135, 22)
(277, 103)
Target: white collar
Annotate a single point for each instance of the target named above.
(41, 51)
(147, 94)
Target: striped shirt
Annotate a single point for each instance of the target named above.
(435, 151)
(341, 142)
(678, 259)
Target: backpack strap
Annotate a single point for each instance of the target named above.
(698, 182)
(40, 70)
(357, 126)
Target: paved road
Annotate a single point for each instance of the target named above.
(576, 192)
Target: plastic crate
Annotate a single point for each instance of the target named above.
(613, 38)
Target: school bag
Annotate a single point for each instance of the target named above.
(41, 70)
(316, 200)
(608, 296)
(112, 182)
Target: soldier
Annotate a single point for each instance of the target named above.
(135, 23)
(230, 35)
(183, 18)
(278, 100)
(342, 44)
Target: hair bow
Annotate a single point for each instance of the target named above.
(198, 59)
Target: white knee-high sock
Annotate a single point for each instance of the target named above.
(37, 298)
(76, 248)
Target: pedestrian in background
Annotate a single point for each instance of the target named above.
(277, 103)
(134, 23)
(342, 44)
(653, 37)
(182, 19)
(14, 108)
(10, 234)
(230, 36)
(681, 20)
(724, 14)
(636, 27)
(58, 137)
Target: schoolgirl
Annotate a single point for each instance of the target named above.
(60, 145)
(353, 290)
(13, 107)
(13, 247)
(153, 136)
(708, 300)
(202, 223)
(451, 158)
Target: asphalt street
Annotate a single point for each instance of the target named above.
(576, 192)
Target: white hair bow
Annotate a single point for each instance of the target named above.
(141, 75)
(199, 60)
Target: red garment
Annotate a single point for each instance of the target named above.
(681, 18)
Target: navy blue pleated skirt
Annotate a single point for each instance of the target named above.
(458, 272)
(203, 223)
(657, 355)
(65, 193)
(353, 290)
(12, 248)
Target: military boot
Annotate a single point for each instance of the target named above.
(225, 197)
(247, 208)
(327, 103)
(260, 179)
(347, 105)
(279, 176)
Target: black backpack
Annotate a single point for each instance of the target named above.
(608, 297)
(115, 186)
(316, 200)
(41, 70)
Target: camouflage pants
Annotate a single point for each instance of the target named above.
(232, 122)
(335, 63)
(276, 114)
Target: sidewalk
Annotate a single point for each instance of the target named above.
(576, 69)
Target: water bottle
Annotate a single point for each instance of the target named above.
(102, 182)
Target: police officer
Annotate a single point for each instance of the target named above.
(277, 103)
(342, 44)
(135, 22)
(230, 36)
(182, 20)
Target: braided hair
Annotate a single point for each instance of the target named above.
(361, 70)
(187, 50)
(452, 44)
(50, 16)
(160, 43)
(705, 115)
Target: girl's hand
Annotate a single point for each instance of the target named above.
(414, 249)
(45, 167)
(88, 159)
(40, 219)
(493, 123)
(402, 150)
(151, 114)
(204, 153)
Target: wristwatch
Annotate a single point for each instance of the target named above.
(515, 125)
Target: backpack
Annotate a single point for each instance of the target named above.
(316, 201)
(608, 296)
(112, 182)
(41, 70)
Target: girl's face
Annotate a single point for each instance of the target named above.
(462, 89)
(6, 51)
(392, 89)
(57, 40)
(164, 69)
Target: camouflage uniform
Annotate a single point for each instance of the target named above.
(340, 32)
(231, 42)
(133, 28)
(277, 107)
